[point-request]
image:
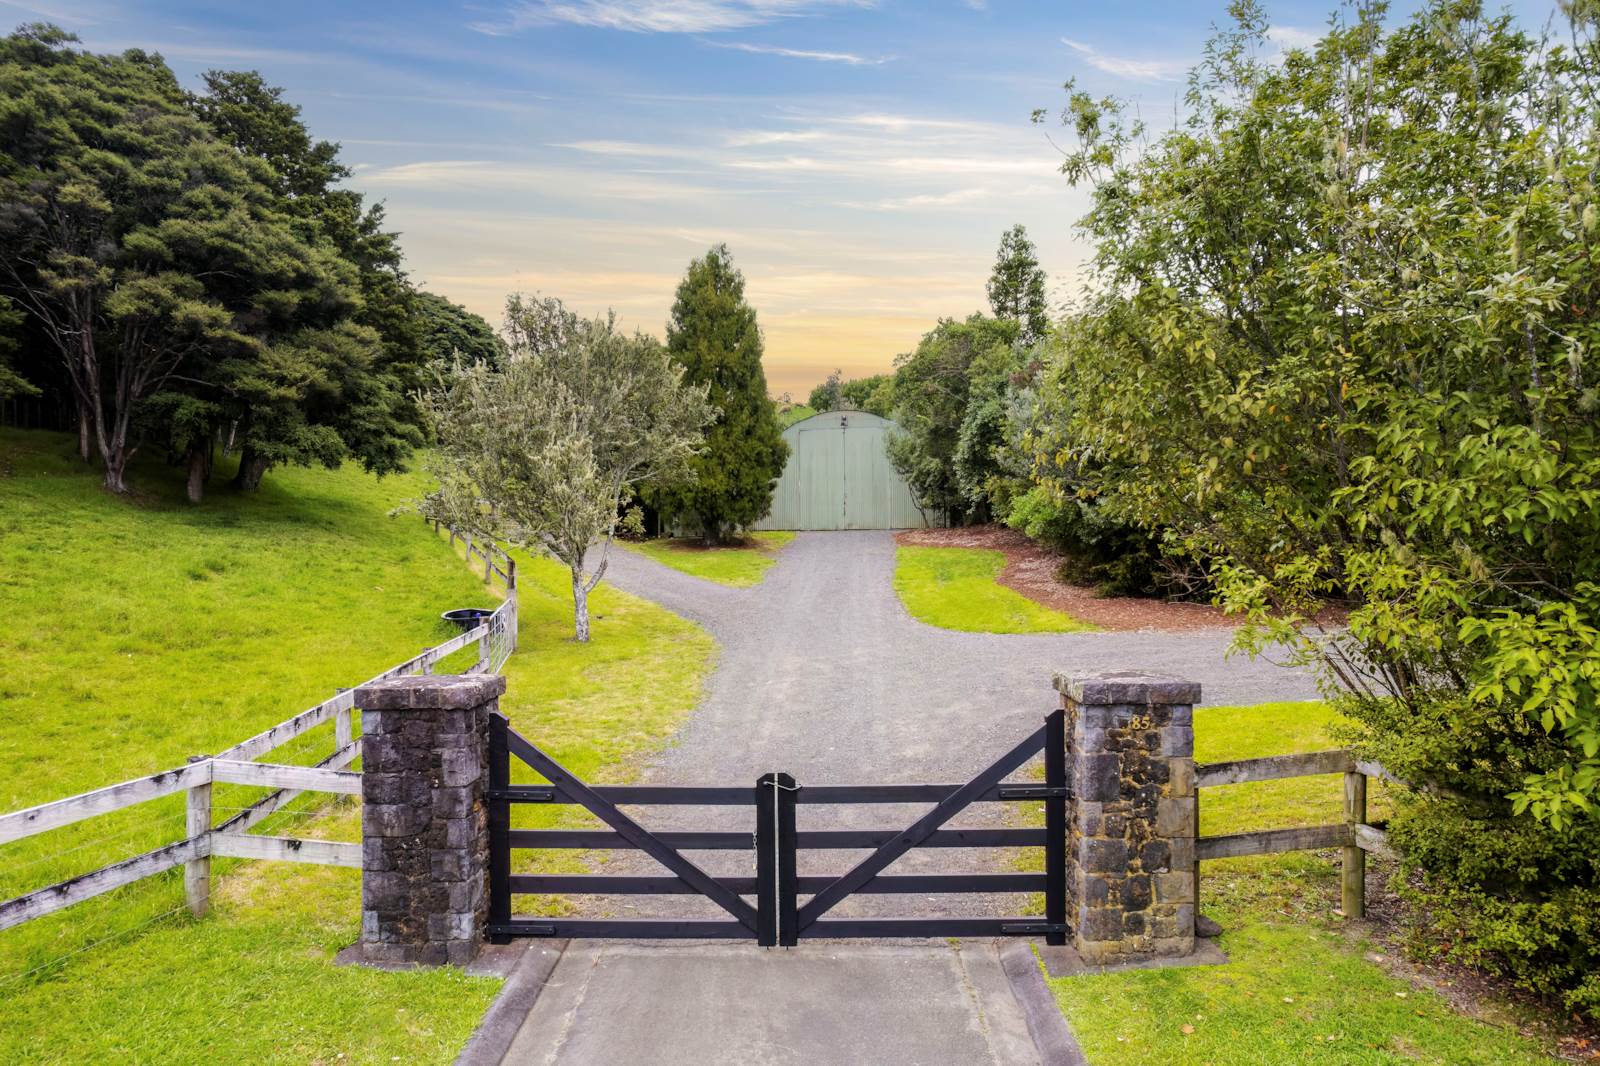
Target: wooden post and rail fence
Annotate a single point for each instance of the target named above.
(204, 838)
(1354, 836)
(1110, 827)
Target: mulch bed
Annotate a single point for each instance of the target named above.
(1031, 571)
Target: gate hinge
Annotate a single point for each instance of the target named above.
(1026, 928)
(522, 794)
(1033, 792)
(520, 929)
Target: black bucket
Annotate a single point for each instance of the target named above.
(467, 618)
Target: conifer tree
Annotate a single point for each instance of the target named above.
(714, 336)
(1016, 285)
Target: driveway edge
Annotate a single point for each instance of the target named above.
(1046, 1024)
(526, 979)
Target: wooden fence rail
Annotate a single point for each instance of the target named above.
(1353, 835)
(496, 640)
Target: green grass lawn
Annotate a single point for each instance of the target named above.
(738, 566)
(155, 631)
(956, 588)
(1298, 986)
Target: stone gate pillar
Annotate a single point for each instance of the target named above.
(1131, 823)
(424, 827)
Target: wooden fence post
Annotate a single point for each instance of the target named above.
(1196, 846)
(1353, 867)
(343, 728)
(197, 823)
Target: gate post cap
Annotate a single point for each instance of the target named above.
(430, 692)
(1127, 688)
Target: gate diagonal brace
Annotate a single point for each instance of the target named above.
(948, 808)
(633, 832)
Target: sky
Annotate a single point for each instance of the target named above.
(860, 158)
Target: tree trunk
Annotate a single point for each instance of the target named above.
(199, 460)
(252, 467)
(83, 432)
(580, 606)
(116, 479)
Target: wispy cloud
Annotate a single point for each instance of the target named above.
(955, 198)
(800, 53)
(484, 176)
(76, 15)
(1289, 37)
(655, 16)
(1127, 67)
(633, 149)
(757, 138)
(878, 120)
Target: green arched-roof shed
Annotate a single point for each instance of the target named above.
(839, 477)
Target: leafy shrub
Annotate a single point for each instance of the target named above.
(1506, 893)
(1117, 559)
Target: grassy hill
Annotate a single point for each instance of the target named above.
(140, 633)
(799, 412)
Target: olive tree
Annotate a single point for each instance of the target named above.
(548, 452)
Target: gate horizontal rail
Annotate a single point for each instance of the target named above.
(805, 839)
(887, 884)
(723, 796)
(712, 929)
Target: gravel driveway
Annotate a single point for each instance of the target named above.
(824, 675)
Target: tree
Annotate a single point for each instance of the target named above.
(713, 334)
(246, 112)
(450, 330)
(1017, 286)
(933, 389)
(379, 365)
(11, 383)
(1340, 349)
(829, 396)
(548, 452)
(874, 394)
(97, 156)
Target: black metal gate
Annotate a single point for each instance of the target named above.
(777, 917)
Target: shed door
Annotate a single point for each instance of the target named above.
(866, 486)
(821, 465)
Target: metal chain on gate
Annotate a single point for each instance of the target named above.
(777, 850)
